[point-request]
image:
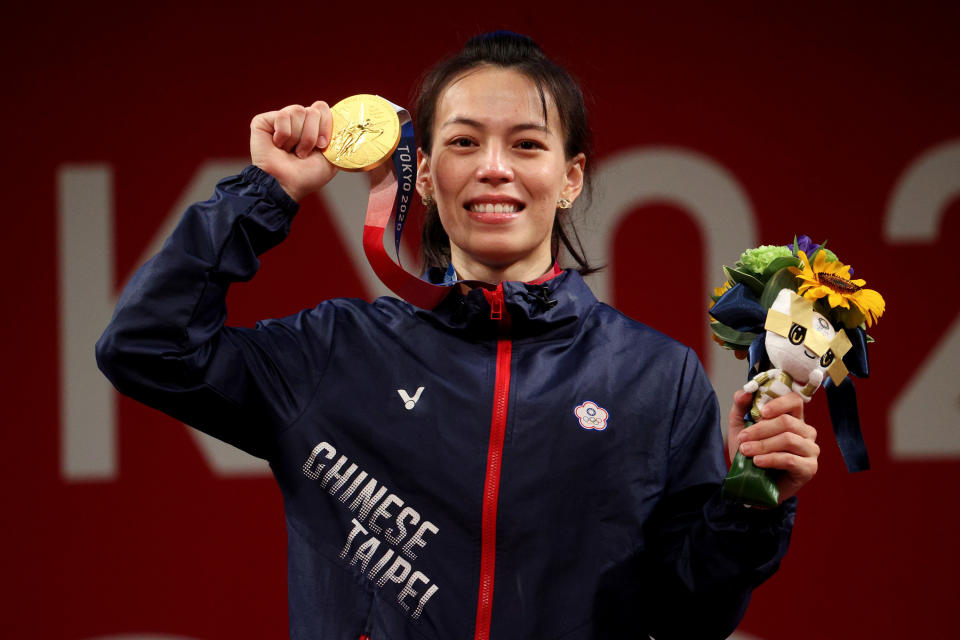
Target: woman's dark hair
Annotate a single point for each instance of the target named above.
(518, 52)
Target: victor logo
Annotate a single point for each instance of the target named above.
(408, 402)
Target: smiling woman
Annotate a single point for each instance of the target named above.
(496, 174)
(555, 474)
(526, 108)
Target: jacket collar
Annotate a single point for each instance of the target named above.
(551, 308)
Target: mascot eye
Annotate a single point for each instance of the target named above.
(797, 334)
(826, 358)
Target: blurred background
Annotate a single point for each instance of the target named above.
(718, 126)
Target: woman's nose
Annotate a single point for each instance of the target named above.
(494, 167)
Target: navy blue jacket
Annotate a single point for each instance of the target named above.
(518, 463)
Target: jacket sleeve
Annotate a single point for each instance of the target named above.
(167, 345)
(709, 554)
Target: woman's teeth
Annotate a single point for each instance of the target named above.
(493, 208)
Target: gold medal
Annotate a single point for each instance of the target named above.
(366, 130)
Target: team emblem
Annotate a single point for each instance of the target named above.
(591, 416)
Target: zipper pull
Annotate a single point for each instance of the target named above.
(495, 298)
(496, 308)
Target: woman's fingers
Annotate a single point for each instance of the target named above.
(780, 424)
(296, 128)
(791, 404)
(316, 129)
(288, 127)
(741, 404)
(282, 143)
(281, 129)
(308, 135)
(263, 126)
(786, 442)
(799, 470)
(326, 123)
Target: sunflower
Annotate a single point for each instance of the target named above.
(717, 292)
(832, 281)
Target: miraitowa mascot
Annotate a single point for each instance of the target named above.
(801, 322)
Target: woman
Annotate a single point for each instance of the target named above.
(521, 461)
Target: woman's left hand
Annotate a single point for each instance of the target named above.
(781, 440)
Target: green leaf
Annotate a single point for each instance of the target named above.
(822, 307)
(782, 279)
(850, 318)
(732, 336)
(823, 245)
(747, 270)
(780, 263)
(796, 247)
(820, 248)
(734, 347)
(744, 278)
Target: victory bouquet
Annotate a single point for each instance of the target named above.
(798, 317)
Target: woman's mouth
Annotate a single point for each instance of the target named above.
(489, 207)
(493, 212)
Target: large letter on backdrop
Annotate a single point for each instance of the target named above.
(85, 236)
(87, 297)
(698, 185)
(916, 208)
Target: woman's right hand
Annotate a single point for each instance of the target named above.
(287, 144)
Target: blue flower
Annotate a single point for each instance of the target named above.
(805, 244)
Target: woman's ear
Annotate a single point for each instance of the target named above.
(424, 178)
(573, 180)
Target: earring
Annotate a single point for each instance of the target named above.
(563, 203)
(427, 200)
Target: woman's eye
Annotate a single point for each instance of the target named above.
(529, 145)
(462, 142)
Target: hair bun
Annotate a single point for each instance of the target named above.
(503, 47)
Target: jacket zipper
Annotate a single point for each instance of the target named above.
(491, 487)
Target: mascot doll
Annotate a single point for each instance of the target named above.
(801, 321)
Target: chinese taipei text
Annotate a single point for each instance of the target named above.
(385, 537)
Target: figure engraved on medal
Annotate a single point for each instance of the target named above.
(366, 131)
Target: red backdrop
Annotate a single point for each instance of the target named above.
(718, 125)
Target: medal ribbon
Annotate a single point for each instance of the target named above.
(392, 191)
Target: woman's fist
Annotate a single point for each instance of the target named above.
(287, 144)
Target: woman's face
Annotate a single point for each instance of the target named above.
(496, 172)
